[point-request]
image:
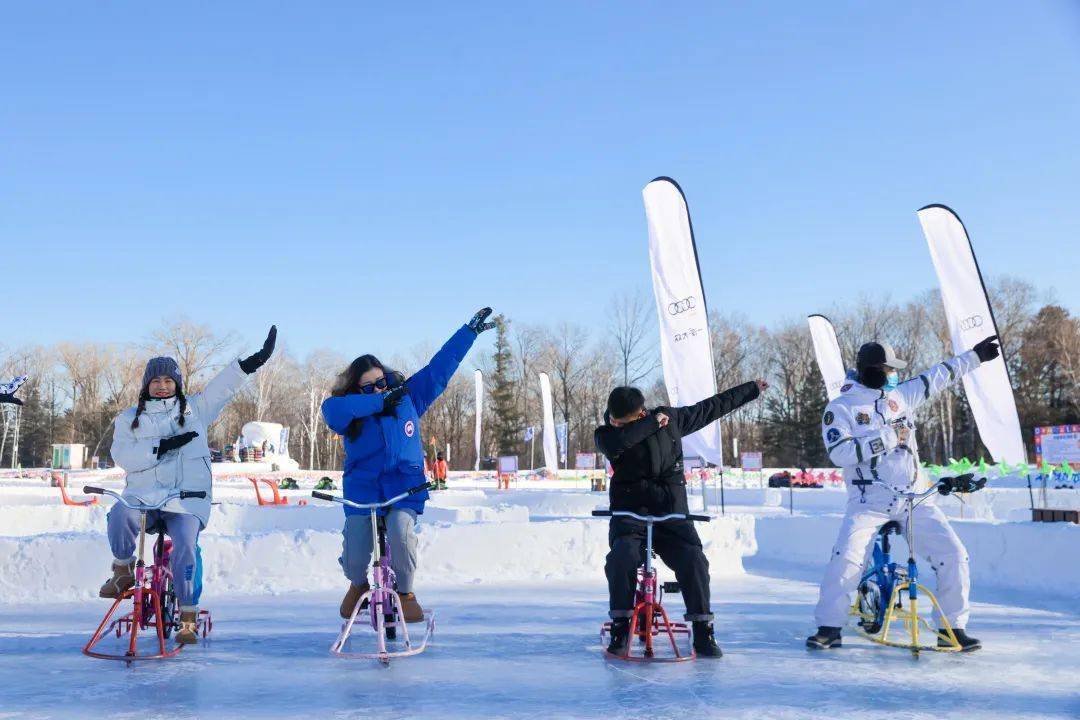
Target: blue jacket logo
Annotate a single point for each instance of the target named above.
(410, 428)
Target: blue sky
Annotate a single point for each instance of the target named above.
(367, 176)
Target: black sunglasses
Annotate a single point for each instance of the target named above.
(391, 379)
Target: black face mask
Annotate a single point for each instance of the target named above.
(873, 377)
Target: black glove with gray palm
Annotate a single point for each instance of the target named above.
(253, 362)
(965, 483)
(392, 398)
(174, 442)
(987, 349)
(477, 324)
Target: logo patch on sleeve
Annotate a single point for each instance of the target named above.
(876, 446)
(410, 428)
(833, 435)
(862, 418)
(893, 405)
(845, 387)
(828, 417)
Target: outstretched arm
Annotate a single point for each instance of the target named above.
(427, 384)
(924, 386)
(338, 412)
(692, 418)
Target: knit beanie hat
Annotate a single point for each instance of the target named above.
(156, 367)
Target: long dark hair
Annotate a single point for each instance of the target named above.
(145, 395)
(348, 383)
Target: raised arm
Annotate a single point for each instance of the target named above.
(692, 418)
(219, 391)
(338, 412)
(614, 441)
(930, 382)
(428, 383)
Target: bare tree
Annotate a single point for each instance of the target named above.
(631, 323)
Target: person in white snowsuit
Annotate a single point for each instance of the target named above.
(869, 432)
(162, 446)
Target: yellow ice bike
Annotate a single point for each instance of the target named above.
(879, 603)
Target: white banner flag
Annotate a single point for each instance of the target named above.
(551, 453)
(478, 378)
(827, 351)
(685, 347)
(967, 309)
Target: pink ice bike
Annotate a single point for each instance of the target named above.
(650, 620)
(381, 600)
(154, 605)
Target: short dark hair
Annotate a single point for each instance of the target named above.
(624, 401)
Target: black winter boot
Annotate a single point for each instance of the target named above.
(620, 636)
(704, 642)
(967, 643)
(825, 638)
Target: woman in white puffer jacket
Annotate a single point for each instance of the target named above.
(162, 446)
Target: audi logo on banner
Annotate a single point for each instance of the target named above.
(680, 306)
(970, 323)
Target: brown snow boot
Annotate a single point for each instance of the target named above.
(189, 629)
(349, 603)
(411, 609)
(123, 579)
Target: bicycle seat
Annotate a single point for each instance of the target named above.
(892, 526)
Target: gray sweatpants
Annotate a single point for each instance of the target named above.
(182, 529)
(357, 546)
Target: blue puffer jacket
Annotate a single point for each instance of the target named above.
(387, 458)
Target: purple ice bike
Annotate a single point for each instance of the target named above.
(381, 600)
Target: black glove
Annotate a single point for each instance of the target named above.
(962, 484)
(176, 441)
(987, 349)
(9, 399)
(253, 362)
(477, 324)
(393, 397)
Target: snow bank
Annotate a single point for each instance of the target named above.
(70, 566)
(1013, 556)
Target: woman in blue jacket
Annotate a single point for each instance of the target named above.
(377, 412)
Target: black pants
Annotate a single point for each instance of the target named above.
(678, 545)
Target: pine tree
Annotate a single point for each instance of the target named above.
(508, 423)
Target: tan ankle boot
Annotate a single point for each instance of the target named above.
(122, 580)
(189, 629)
(411, 609)
(351, 597)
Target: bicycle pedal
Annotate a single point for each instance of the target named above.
(671, 587)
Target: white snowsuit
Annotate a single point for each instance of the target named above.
(858, 431)
(149, 479)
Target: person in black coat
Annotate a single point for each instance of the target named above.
(645, 452)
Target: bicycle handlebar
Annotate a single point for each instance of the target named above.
(650, 518)
(176, 494)
(368, 506)
(941, 486)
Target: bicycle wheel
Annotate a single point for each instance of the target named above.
(169, 615)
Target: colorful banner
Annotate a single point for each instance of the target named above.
(970, 318)
(685, 347)
(1057, 444)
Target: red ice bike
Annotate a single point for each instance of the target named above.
(381, 600)
(650, 620)
(153, 599)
